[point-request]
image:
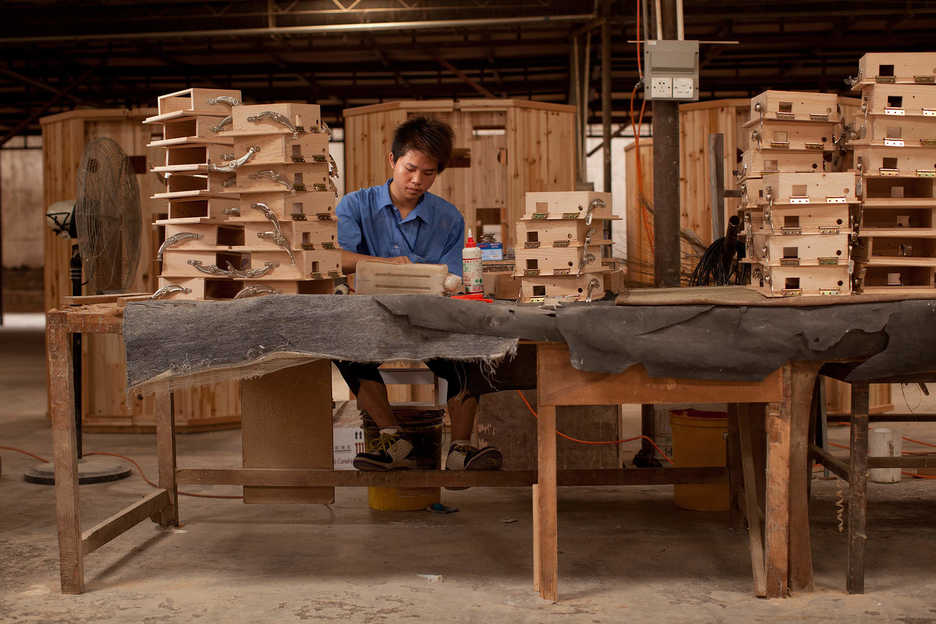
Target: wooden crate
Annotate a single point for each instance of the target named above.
(781, 281)
(279, 118)
(504, 148)
(795, 105)
(896, 67)
(802, 250)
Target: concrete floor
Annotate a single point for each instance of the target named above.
(627, 554)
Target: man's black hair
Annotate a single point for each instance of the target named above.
(430, 136)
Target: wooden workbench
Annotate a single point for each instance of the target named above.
(781, 561)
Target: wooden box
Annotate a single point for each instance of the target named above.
(192, 130)
(899, 100)
(790, 135)
(808, 188)
(897, 67)
(281, 118)
(283, 149)
(197, 101)
(895, 132)
(310, 235)
(802, 250)
(567, 205)
(220, 288)
(203, 236)
(757, 163)
(279, 178)
(781, 281)
(310, 264)
(795, 105)
(562, 233)
(557, 261)
(885, 278)
(310, 205)
(196, 209)
(559, 288)
(873, 160)
(181, 185)
(796, 219)
(907, 250)
(240, 264)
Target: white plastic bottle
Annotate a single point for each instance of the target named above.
(471, 267)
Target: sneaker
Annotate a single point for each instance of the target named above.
(461, 457)
(389, 452)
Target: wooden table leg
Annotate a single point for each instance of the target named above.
(735, 473)
(751, 506)
(803, 383)
(536, 537)
(777, 514)
(857, 488)
(166, 454)
(546, 538)
(62, 407)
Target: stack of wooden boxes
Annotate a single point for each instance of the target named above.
(894, 142)
(797, 212)
(560, 246)
(265, 221)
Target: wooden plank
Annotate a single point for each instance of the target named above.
(732, 461)
(833, 464)
(803, 382)
(537, 558)
(286, 423)
(777, 513)
(103, 532)
(547, 508)
(560, 384)
(857, 488)
(303, 477)
(65, 456)
(166, 454)
(747, 443)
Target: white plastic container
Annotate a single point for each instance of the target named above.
(883, 442)
(472, 269)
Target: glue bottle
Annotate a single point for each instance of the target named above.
(471, 267)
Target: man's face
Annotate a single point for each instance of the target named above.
(413, 174)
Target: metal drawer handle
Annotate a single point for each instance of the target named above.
(279, 118)
(224, 99)
(224, 122)
(210, 269)
(234, 164)
(258, 272)
(276, 235)
(269, 174)
(255, 291)
(168, 290)
(592, 285)
(174, 240)
(213, 269)
(591, 206)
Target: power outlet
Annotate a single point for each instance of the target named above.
(661, 87)
(683, 88)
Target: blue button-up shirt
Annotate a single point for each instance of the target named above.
(432, 233)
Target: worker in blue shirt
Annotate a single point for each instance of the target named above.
(400, 222)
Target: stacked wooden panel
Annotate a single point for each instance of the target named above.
(796, 211)
(894, 142)
(273, 229)
(561, 245)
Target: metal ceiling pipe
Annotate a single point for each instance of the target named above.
(306, 30)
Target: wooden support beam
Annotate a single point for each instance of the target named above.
(465, 78)
(776, 531)
(752, 509)
(166, 451)
(127, 518)
(803, 382)
(857, 488)
(835, 465)
(39, 84)
(547, 537)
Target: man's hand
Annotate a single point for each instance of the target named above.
(397, 260)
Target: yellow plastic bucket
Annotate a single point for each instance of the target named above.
(424, 427)
(699, 440)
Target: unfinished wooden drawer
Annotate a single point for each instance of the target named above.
(896, 132)
(312, 264)
(283, 149)
(796, 219)
(194, 158)
(757, 163)
(197, 101)
(567, 205)
(314, 205)
(801, 250)
(203, 236)
(300, 235)
(899, 100)
(192, 130)
(795, 105)
(781, 281)
(589, 286)
(196, 209)
(293, 119)
(199, 288)
(205, 185)
(291, 178)
(889, 161)
(557, 261)
(808, 188)
(561, 233)
(788, 135)
(896, 68)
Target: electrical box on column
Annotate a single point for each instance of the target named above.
(671, 70)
